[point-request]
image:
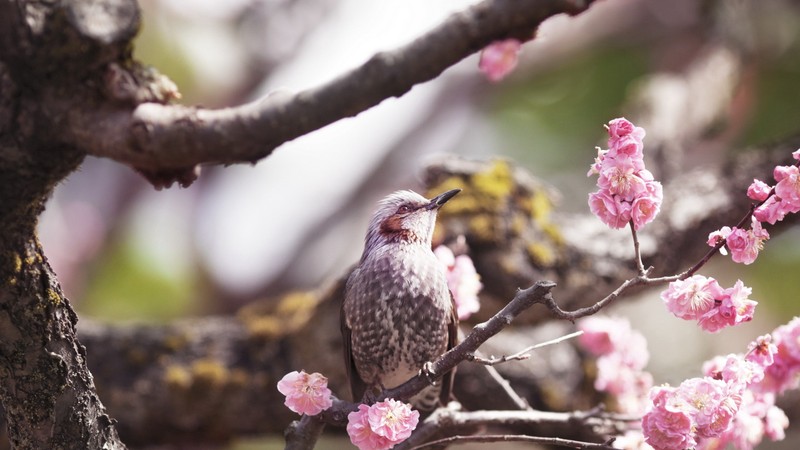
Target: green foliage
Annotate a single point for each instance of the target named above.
(546, 121)
(777, 98)
(127, 286)
(774, 274)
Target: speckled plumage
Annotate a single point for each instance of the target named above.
(398, 312)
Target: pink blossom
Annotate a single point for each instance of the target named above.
(712, 321)
(499, 59)
(594, 169)
(740, 373)
(758, 191)
(713, 367)
(462, 279)
(613, 375)
(715, 237)
(736, 303)
(744, 245)
(709, 404)
(762, 351)
(601, 334)
(620, 177)
(739, 245)
(772, 211)
(747, 431)
(305, 393)
(666, 426)
(788, 187)
(796, 154)
(627, 147)
(621, 127)
(756, 417)
(611, 209)
(787, 338)
(393, 419)
(644, 209)
(361, 434)
(667, 431)
(614, 336)
(691, 298)
(382, 425)
(775, 423)
(733, 309)
(782, 374)
(621, 357)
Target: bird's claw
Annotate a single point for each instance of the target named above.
(428, 372)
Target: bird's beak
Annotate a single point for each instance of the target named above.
(441, 199)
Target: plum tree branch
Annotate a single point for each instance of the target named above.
(154, 136)
(449, 418)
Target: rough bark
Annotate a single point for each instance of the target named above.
(48, 56)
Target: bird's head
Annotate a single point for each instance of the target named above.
(405, 216)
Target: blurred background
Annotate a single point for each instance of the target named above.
(125, 252)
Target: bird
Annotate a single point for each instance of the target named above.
(398, 313)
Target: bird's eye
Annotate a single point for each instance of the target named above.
(403, 209)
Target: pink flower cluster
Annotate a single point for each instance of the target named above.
(786, 198)
(462, 279)
(621, 357)
(627, 191)
(733, 403)
(775, 203)
(784, 373)
(680, 416)
(704, 300)
(382, 425)
(499, 59)
(744, 245)
(724, 406)
(305, 393)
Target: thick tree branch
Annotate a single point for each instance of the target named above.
(157, 137)
(599, 423)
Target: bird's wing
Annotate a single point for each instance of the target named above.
(452, 341)
(357, 385)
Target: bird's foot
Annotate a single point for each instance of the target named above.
(373, 393)
(428, 372)
(369, 398)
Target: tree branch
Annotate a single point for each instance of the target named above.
(525, 298)
(156, 137)
(603, 424)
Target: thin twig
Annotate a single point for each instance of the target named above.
(521, 403)
(522, 354)
(638, 254)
